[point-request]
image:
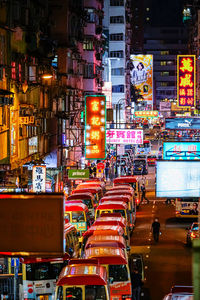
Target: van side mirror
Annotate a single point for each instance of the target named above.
(128, 248)
(111, 279)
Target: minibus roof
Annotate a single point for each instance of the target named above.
(112, 205)
(75, 207)
(104, 229)
(106, 255)
(84, 195)
(82, 275)
(110, 221)
(125, 179)
(119, 192)
(124, 198)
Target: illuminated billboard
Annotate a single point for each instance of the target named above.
(182, 123)
(141, 72)
(95, 127)
(124, 136)
(146, 114)
(181, 150)
(178, 179)
(186, 80)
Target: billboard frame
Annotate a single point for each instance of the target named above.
(174, 141)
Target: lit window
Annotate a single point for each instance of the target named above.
(147, 9)
(117, 19)
(163, 63)
(147, 19)
(164, 52)
(118, 88)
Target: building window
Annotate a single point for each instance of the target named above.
(117, 19)
(88, 45)
(89, 71)
(164, 84)
(164, 73)
(91, 16)
(32, 73)
(116, 2)
(164, 52)
(116, 37)
(118, 88)
(163, 63)
(13, 70)
(119, 54)
(117, 71)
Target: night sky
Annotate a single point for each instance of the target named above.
(167, 12)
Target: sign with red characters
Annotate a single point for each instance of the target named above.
(186, 80)
(95, 127)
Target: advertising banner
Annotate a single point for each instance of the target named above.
(178, 179)
(186, 80)
(124, 136)
(182, 123)
(181, 150)
(78, 174)
(141, 71)
(95, 127)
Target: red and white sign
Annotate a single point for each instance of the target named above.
(124, 136)
(100, 166)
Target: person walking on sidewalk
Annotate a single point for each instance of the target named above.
(136, 282)
(143, 190)
(155, 227)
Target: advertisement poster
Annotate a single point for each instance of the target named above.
(178, 179)
(141, 71)
(182, 123)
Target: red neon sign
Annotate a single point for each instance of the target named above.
(186, 80)
(95, 127)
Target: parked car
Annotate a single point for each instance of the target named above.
(192, 234)
(180, 292)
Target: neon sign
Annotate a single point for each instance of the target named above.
(95, 127)
(186, 80)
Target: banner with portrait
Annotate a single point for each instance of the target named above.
(141, 73)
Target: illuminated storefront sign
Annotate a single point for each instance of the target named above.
(186, 80)
(39, 179)
(146, 114)
(141, 72)
(95, 127)
(26, 120)
(123, 137)
(181, 150)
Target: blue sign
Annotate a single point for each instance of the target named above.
(14, 262)
(181, 150)
(182, 123)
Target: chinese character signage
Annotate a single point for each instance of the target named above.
(186, 80)
(141, 71)
(181, 150)
(146, 114)
(95, 127)
(39, 179)
(124, 137)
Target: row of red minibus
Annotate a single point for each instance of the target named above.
(104, 241)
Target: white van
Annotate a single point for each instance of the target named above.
(180, 292)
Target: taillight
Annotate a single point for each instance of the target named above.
(193, 235)
(126, 298)
(137, 201)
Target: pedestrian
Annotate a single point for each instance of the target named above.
(143, 190)
(136, 282)
(155, 227)
(95, 171)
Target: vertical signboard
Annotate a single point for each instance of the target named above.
(186, 80)
(95, 127)
(39, 179)
(141, 71)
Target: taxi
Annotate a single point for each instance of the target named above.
(82, 280)
(116, 262)
(87, 198)
(77, 214)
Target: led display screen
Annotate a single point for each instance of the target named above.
(182, 123)
(186, 80)
(181, 150)
(178, 179)
(141, 71)
(95, 127)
